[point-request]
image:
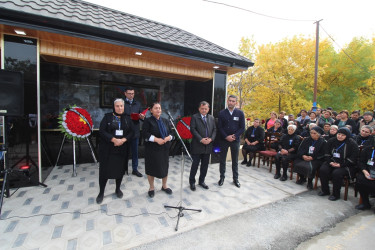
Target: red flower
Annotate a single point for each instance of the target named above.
(248, 119)
(76, 122)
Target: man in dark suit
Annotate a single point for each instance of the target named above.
(203, 129)
(231, 125)
(133, 107)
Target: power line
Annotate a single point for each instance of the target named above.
(355, 63)
(260, 14)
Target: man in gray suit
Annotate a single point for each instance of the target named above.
(203, 129)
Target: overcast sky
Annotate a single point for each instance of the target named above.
(225, 26)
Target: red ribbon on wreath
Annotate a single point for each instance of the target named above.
(183, 128)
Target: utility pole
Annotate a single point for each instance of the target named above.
(316, 62)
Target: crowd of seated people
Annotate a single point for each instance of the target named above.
(322, 143)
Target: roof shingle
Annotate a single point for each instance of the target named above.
(91, 15)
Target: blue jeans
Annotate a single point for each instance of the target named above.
(234, 149)
(134, 149)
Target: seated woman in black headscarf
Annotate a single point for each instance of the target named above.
(115, 130)
(286, 152)
(366, 178)
(157, 133)
(340, 157)
(310, 156)
(365, 139)
(254, 141)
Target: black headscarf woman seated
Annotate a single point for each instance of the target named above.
(115, 130)
(310, 156)
(341, 156)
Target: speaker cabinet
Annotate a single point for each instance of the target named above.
(11, 93)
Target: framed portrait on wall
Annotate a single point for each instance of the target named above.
(145, 94)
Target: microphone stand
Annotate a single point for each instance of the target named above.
(180, 207)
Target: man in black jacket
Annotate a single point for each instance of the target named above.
(133, 107)
(203, 129)
(231, 124)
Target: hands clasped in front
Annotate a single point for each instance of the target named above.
(118, 142)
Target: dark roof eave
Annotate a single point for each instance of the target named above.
(87, 32)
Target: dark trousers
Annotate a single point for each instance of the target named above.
(134, 151)
(337, 174)
(234, 149)
(282, 161)
(365, 187)
(203, 159)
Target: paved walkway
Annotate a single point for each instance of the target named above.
(66, 216)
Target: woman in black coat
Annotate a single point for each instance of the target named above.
(115, 130)
(366, 178)
(157, 133)
(365, 139)
(286, 152)
(310, 156)
(341, 155)
(254, 141)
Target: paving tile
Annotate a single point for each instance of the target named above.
(20, 240)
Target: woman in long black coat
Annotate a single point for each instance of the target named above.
(340, 157)
(310, 156)
(157, 133)
(115, 130)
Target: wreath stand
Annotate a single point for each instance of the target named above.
(74, 153)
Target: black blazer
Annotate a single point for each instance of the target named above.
(150, 127)
(198, 130)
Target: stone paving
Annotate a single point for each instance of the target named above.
(65, 215)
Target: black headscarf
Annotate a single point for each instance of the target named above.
(344, 131)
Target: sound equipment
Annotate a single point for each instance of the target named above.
(11, 93)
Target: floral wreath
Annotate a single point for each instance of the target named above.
(183, 128)
(75, 123)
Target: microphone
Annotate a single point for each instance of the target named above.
(170, 116)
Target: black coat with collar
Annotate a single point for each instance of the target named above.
(198, 130)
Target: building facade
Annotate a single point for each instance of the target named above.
(76, 53)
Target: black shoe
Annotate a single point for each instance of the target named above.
(167, 190)
(283, 178)
(137, 173)
(333, 198)
(99, 199)
(151, 193)
(237, 183)
(192, 187)
(244, 162)
(221, 181)
(248, 164)
(301, 181)
(321, 193)
(119, 194)
(203, 185)
(310, 186)
(363, 206)
(277, 176)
